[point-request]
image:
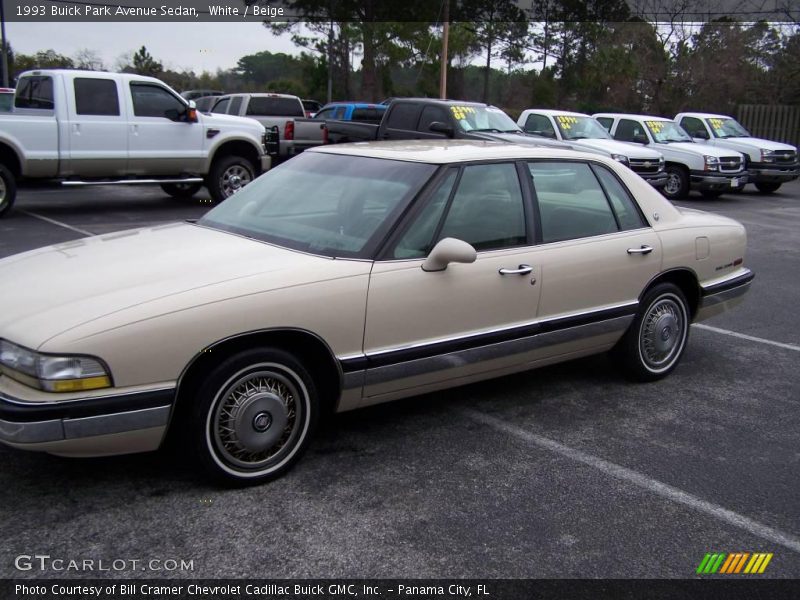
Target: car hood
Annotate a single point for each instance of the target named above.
(54, 289)
(694, 148)
(615, 147)
(747, 143)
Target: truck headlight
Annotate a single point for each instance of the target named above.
(621, 158)
(767, 155)
(52, 373)
(712, 163)
(661, 163)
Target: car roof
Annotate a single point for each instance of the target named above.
(448, 151)
(631, 116)
(355, 104)
(703, 115)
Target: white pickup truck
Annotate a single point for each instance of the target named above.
(711, 171)
(97, 128)
(586, 134)
(770, 164)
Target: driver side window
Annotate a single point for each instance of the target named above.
(540, 125)
(153, 101)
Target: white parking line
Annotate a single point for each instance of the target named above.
(674, 494)
(54, 222)
(751, 338)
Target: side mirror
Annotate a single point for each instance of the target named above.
(449, 250)
(700, 134)
(439, 127)
(172, 114)
(640, 139)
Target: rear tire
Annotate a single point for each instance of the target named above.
(657, 337)
(228, 175)
(767, 187)
(254, 416)
(677, 186)
(8, 190)
(181, 190)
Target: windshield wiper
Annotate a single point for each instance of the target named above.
(488, 130)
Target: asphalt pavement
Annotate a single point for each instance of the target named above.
(565, 472)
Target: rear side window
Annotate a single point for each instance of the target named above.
(403, 116)
(35, 92)
(367, 115)
(571, 201)
(221, 107)
(274, 107)
(628, 215)
(236, 105)
(153, 101)
(96, 97)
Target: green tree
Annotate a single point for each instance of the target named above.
(44, 59)
(145, 64)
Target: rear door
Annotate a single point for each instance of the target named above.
(98, 127)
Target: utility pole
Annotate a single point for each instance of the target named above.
(5, 43)
(445, 39)
(330, 62)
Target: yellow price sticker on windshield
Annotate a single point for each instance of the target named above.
(717, 124)
(461, 112)
(566, 121)
(655, 126)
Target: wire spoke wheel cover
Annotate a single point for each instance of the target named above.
(662, 333)
(258, 420)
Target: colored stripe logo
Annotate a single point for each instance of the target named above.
(736, 563)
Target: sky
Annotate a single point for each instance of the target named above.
(178, 45)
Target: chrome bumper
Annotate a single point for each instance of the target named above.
(700, 180)
(24, 423)
(774, 174)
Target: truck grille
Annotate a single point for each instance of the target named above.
(785, 156)
(730, 164)
(641, 165)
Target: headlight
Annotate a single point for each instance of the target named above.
(661, 163)
(712, 163)
(621, 158)
(767, 155)
(52, 373)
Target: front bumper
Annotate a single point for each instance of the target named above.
(657, 180)
(717, 182)
(122, 423)
(720, 296)
(773, 173)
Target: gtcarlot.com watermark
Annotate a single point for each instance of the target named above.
(45, 562)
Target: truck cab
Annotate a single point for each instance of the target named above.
(770, 164)
(689, 165)
(585, 133)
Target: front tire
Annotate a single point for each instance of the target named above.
(657, 337)
(181, 190)
(8, 190)
(254, 416)
(228, 175)
(677, 186)
(767, 187)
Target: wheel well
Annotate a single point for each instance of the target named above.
(678, 165)
(239, 148)
(686, 281)
(10, 159)
(307, 347)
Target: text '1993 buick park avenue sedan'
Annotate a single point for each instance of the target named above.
(350, 275)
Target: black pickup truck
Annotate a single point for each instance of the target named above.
(426, 118)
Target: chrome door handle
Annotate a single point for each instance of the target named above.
(520, 270)
(642, 250)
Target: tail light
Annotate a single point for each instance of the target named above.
(288, 130)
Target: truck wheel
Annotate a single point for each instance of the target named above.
(254, 416)
(677, 185)
(8, 190)
(228, 175)
(181, 190)
(767, 187)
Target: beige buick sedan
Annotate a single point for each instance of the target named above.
(348, 276)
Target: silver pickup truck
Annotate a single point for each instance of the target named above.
(96, 128)
(283, 116)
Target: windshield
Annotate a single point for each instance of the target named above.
(726, 128)
(580, 128)
(483, 118)
(664, 132)
(334, 205)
